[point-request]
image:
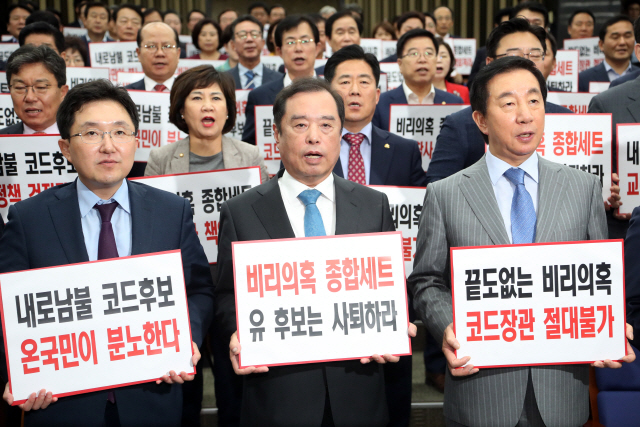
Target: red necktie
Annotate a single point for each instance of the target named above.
(356, 163)
(159, 88)
(38, 132)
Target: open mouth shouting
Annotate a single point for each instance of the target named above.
(208, 121)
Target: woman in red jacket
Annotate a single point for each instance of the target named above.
(444, 67)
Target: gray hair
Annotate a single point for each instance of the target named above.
(29, 54)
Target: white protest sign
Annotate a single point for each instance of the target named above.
(578, 102)
(185, 38)
(155, 130)
(590, 53)
(242, 96)
(628, 149)
(383, 85)
(191, 49)
(565, 74)
(372, 46)
(124, 78)
(8, 114)
(539, 304)
(350, 289)
(6, 49)
(394, 77)
(388, 48)
(68, 329)
(4, 86)
(29, 165)
(422, 123)
(580, 141)
(6, 38)
(77, 75)
(206, 191)
(406, 207)
(265, 140)
(465, 53)
(117, 56)
(320, 62)
(272, 62)
(185, 64)
(75, 32)
(598, 87)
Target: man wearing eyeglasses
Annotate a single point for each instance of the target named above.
(158, 52)
(417, 51)
(66, 224)
(37, 84)
(296, 39)
(247, 42)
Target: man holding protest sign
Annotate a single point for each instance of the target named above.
(510, 195)
(100, 216)
(308, 118)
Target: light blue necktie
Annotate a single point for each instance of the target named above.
(250, 77)
(523, 214)
(313, 225)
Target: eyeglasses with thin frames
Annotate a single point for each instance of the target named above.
(96, 136)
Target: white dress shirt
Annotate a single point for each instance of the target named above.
(258, 71)
(288, 81)
(149, 84)
(51, 130)
(504, 189)
(413, 99)
(365, 150)
(326, 203)
(612, 73)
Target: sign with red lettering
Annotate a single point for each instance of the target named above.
(578, 102)
(422, 123)
(539, 304)
(265, 140)
(580, 141)
(465, 53)
(320, 299)
(564, 76)
(116, 56)
(206, 192)
(30, 164)
(8, 114)
(628, 149)
(84, 327)
(590, 53)
(242, 96)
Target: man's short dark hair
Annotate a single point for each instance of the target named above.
(43, 16)
(86, 93)
(533, 7)
(29, 54)
(17, 6)
(225, 11)
(42, 28)
(480, 88)
(192, 11)
(514, 25)
(95, 4)
(625, 5)
(316, 18)
(305, 85)
(133, 7)
(409, 15)
(328, 26)
(497, 18)
(291, 22)
(175, 34)
(195, 35)
(244, 18)
(579, 11)
(168, 11)
(612, 21)
(412, 34)
(348, 53)
(148, 11)
(553, 42)
(257, 5)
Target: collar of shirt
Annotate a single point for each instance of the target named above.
(87, 199)
(291, 187)
(104, 39)
(288, 81)
(412, 98)
(51, 130)
(366, 131)
(149, 83)
(497, 167)
(612, 73)
(242, 69)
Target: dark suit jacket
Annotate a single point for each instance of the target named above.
(593, 74)
(46, 231)
(394, 161)
(294, 395)
(16, 129)
(396, 96)
(460, 143)
(320, 70)
(479, 62)
(632, 275)
(626, 78)
(390, 58)
(268, 76)
(264, 95)
(139, 85)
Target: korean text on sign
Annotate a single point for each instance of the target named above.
(628, 151)
(265, 138)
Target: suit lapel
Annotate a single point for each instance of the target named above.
(634, 107)
(180, 160)
(551, 194)
(271, 212)
(231, 158)
(142, 220)
(478, 192)
(397, 96)
(381, 157)
(235, 72)
(337, 169)
(347, 207)
(65, 215)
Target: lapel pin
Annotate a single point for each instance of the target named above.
(443, 102)
(386, 145)
(181, 154)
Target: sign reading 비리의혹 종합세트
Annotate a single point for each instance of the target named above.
(539, 304)
(320, 298)
(85, 327)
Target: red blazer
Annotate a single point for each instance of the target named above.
(459, 90)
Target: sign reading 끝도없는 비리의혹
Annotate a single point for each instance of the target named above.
(539, 304)
(84, 327)
(265, 138)
(320, 298)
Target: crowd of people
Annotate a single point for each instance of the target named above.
(331, 125)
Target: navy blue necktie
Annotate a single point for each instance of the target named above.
(313, 225)
(523, 214)
(250, 80)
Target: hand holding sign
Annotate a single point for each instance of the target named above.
(34, 402)
(234, 354)
(412, 330)
(630, 356)
(180, 379)
(457, 367)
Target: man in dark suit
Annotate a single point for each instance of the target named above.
(247, 42)
(418, 51)
(632, 275)
(71, 232)
(406, 22)
(309, 118)
(616, 42)
(296, 40)
(37, 84)
(460, 143)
